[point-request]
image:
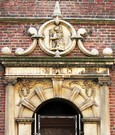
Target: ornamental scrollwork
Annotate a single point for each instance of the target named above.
(85, 89)
(56, 37)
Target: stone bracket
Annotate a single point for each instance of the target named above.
(104, 81)
(12, 81)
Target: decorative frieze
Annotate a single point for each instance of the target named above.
(27, 89)
(50, 71)
(38, 88)
(85, 90)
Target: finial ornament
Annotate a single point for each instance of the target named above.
(6, 51)
(107, 51)
(57, 10)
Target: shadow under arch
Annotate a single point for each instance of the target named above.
(59, 107)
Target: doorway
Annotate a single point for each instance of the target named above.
(57, 117)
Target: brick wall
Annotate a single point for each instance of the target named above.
(2, 103)
(112, 103)
(13, 34)
(70, 8)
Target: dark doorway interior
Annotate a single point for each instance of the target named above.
(57, 117)
(57, 126)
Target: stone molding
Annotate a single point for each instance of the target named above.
(24, 61)
(91, 119)
(11, 81)
(71, 20)
(104, 81)
(24, 120)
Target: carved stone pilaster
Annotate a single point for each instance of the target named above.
(24, 125)
(11, 81)
(10, 106)
(104, 81)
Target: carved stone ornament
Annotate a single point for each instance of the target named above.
(105, 81)
(11, 81)
(56, 37)
(89, 89)
(81, 33)
(25, 86)
(77, 89)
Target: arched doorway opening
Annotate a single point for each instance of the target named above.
(57, 117)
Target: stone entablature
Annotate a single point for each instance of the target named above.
(30, 81)
(48, 71)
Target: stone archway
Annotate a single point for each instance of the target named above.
(24, 95)
(31, 93)
(57, 116)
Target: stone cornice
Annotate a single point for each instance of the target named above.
(44, 19)
(25, 61)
